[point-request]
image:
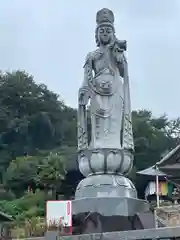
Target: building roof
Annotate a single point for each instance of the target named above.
(166, 166)
(5, 217)
(172, 157)
(151, 171)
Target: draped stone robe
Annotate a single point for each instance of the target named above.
(106, 83)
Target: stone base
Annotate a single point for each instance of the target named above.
(105, 185)
(106, 214)
(109, 206)
(107, 202)
(96, 223)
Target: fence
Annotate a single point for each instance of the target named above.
(145, 234)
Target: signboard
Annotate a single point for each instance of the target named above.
(59, 214)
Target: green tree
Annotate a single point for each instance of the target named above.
(31, 117)
(29, 205)
(21, 174)
(153, 136)
(51, 173)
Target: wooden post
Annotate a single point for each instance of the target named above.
(155, 218)
(157, 187)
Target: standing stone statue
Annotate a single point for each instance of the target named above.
(106, 88)
(107, 158)
(106, 85)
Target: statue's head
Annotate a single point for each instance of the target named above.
(105, 32)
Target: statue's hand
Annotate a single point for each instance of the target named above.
(83, 97)
(118, 54)
(119, 58)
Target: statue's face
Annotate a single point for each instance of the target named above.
(105, 34)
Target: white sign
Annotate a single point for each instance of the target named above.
(59, 212)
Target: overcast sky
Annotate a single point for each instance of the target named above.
(50, 39)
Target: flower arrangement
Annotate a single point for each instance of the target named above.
(60, 226)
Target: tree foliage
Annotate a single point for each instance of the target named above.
(29, 205)
(153, 136)
(51, 172)
(38, 140)
(21, 173)
(31, 117)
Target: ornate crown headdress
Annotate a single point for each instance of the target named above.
(105, 16)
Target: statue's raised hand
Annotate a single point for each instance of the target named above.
(118, 54)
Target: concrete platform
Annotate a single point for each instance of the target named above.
(108, 206)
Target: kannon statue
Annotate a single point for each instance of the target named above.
(106, 158)
(106, 89)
